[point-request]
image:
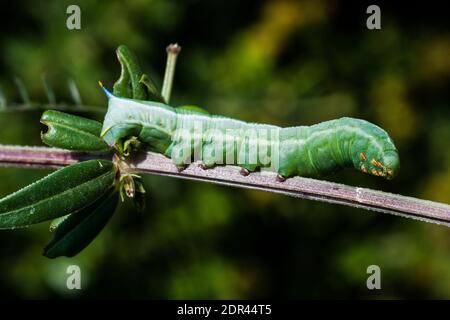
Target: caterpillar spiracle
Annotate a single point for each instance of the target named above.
(189, 133)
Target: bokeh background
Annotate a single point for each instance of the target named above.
(275, 61)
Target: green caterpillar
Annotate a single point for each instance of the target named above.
(186, 134)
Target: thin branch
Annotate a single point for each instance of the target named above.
(228, 175)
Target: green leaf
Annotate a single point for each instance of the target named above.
(72, 132)
(128, 85)
(79, 229)
(60, 193)
(193, 108)
(74, 92)
(2, 100)
(56, 222)
(152, 92)
(48, 90)
(23, 92)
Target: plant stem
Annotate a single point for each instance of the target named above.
(43, 157)
(229, 175)
(172, 53)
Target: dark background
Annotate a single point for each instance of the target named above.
(281, 62)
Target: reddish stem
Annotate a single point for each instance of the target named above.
(299, 187)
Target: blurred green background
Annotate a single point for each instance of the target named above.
(280, 62)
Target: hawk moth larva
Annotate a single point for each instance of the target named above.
(294, 151)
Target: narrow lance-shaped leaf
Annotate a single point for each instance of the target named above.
(72, 132)
(128, 85)
(152, 92)
(56, 222)
(2, 100)
(60, 193)
(23, 92)
(74, 93)
(78, 230)
(193, 108)
(48, 90)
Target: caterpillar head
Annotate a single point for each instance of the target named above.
(384, 163)
(373, 151)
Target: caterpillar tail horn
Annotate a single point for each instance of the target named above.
(108, 94)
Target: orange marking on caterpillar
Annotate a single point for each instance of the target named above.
(362, 156)
(377, 163)
(375, 172)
